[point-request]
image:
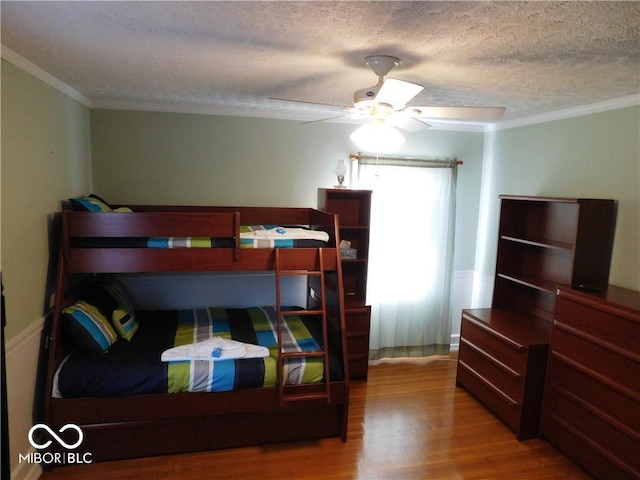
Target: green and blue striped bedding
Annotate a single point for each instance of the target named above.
(134, 367)
(259, 328)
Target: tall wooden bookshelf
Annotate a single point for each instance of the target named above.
(354, 210)
(542, 243)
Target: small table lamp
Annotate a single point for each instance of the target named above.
(341, 171)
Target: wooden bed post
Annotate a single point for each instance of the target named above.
(54, 335)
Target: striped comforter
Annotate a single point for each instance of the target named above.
(258, 327)
(134, 367)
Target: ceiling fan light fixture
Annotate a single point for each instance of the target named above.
(377, 137)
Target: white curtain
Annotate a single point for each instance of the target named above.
(410, 254)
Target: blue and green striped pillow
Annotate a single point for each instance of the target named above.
(123, 317)
(89, 328)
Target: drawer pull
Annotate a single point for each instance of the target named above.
(596, 341)
(596, 412)
(492, 359)
(560, 357)
(496, 334)
(506, 398)
(581, 437)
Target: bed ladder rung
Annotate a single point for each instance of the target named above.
(302, 273)
(320, 310)
(317, 353)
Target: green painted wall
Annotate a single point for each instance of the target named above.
(167, 158)
(592, 156)
(45, 159)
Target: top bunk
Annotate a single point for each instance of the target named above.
(158, 238)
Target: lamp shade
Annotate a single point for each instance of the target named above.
(341, 171)
(341, 168)
(377, 136)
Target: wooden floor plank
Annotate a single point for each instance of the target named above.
(409, 421)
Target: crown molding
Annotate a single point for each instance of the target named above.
(613, 104)
(32, 69)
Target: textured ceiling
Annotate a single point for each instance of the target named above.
(231, 57)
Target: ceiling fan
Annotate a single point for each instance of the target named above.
(387, 102)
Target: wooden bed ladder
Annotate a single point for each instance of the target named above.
(285, 265)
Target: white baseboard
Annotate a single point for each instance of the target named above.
(22, 352)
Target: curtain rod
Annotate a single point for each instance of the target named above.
(368, 158)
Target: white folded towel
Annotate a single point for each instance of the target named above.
(287, 233)
(214, 349)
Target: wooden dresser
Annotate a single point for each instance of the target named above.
(502, 360)
(542, 242)
(591, 408)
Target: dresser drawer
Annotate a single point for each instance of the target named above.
(504, 407)
(620, 405)
(493, 345)
(502, 362)
(491, 370)
(591, 426)
(612, 329)
(358, 320)
(564, 437)
(358, 342)
(358, 365)
(595, 357)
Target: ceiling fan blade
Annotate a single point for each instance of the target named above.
(407, 122)
(397, 93)
(308, 103)
(458, 113)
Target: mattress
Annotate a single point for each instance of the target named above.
(134, 367)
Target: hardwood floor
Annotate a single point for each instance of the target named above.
(409, 421)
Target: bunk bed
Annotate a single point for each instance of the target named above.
(94, 246)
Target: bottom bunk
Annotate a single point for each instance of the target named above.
(129, 402)
(172, 351)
